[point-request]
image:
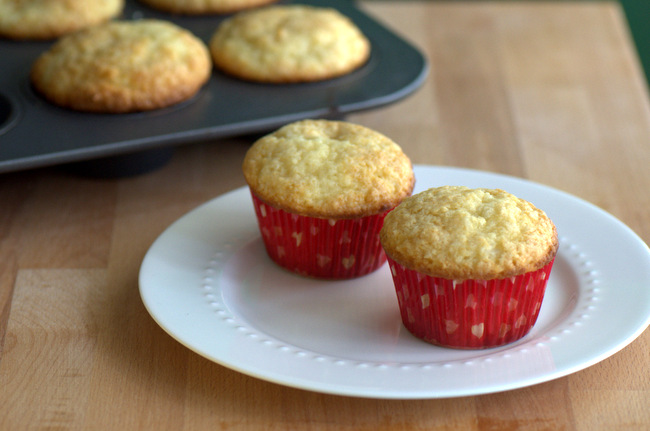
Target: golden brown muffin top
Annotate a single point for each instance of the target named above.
(291, 43)
(328, 169)
(201, 7)
(48, 19)
(123, 66)
(460, 233)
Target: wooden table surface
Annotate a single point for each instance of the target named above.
(547, 91)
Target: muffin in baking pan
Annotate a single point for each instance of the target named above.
(41, 20)
(203, 7)
(288, 44)
(123, 66)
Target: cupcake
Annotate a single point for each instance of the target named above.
(470, 266)
(321, 190)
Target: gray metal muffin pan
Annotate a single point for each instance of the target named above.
(35, 133)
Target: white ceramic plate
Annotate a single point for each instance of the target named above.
(208, 282)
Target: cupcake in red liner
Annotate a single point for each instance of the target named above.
(321, 248)
(470, 266)
(321, 190)
(470, 314)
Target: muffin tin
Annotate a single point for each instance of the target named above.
(35, 133)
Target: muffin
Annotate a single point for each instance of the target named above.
(203, 7)
(40, 20)
(470, 266)
(321, 190)
(123, 66)
(289, 44)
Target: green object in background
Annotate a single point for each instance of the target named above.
(638, 17)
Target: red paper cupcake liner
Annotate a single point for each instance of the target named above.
(469, 314)
(321, 248)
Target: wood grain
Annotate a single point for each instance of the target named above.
(549, 91)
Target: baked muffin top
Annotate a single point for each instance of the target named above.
(200, 7)
(459, 233)
(123, 66)
(48, 19)
(328, 169)
(291, 43)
